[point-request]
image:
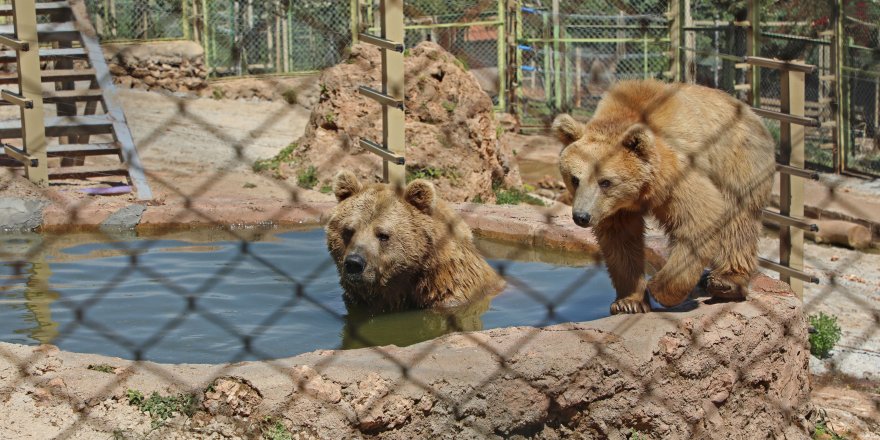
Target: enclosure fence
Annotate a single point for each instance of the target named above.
(179, 305)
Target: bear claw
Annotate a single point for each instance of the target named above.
(629, 306)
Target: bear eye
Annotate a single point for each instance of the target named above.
(575, 181)
(347, 233)
(382, 236)
(604, 183)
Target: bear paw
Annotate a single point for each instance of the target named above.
(727, 288)
(629, 306)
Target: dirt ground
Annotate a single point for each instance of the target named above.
(203, 149)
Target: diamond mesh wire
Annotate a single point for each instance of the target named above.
(192, 300)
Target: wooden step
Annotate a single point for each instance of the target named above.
(53, 75)
(42, 8)
(10, 56)
(62, 31)
(72, 150)
(62, 126)
(83, 172)
(62, 96)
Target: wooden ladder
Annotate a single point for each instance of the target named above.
(65, 43)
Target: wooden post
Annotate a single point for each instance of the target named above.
(33, 130)
(393, 86)
(548, 57)
(839, 105)
(354, 26)
(501, 45)
(578, 93)
(557, 64)
(184, 18)
(791, 188)
(753, 48)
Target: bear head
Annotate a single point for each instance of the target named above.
(607, 166)
(382, 238)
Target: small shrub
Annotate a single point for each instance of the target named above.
(161, 407)
(103, 368)
(477, 199)
(289, 95)
(217, 94)
(249, 185)
(515, 196)
(448, 106)
(431, 173)
(821, 431)
(307, 178)
(274, 163)
(275, 430)
(826, 334)
(326, 189)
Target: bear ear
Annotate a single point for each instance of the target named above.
(639, 139)
(345, 185)
(566, 129)
(421, 194)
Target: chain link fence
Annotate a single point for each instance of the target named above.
(567, 58)
(124, 295)
(861, 74)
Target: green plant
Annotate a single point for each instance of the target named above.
(217, 93)
(431, 173)
(825, 336)
(249, 185)
(161, 407)
(448, 106)
(477, 199)
(515, 196)
(326, 189)
(274, 163)
(290, 96)
(275, 430)
(635, 434)
(821, 431)
(307, 178)
(330, 118)
(103, 368)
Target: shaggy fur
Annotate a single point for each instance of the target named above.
(418, 252)
(695, 158)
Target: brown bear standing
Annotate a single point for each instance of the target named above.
(695, 158)
(396, 250)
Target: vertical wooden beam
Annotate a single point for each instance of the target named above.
(501, 45)
(393, 86)
(354, 25)
(676, 38)
(689, 42)
(753, 49)
(837, 106)
(548, 57)
(33, 130)
(578, 72)
(184, 18)
(557, 64)
(791, 190)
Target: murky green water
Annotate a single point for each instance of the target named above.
(208, 297)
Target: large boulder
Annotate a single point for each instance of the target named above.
(451, 132)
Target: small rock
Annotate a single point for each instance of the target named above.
(310, 382)
(835, 258)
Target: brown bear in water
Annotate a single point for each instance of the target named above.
(403, 249)
(696, 159)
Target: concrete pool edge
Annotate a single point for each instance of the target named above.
(723, 368)
(671, 374)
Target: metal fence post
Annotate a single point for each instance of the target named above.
(393, 86)
(791, 189)
(33, 130)
(839, 106)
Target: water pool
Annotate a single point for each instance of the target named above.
(204, 297)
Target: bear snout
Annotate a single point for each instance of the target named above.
(354, 264)
(581, 219)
